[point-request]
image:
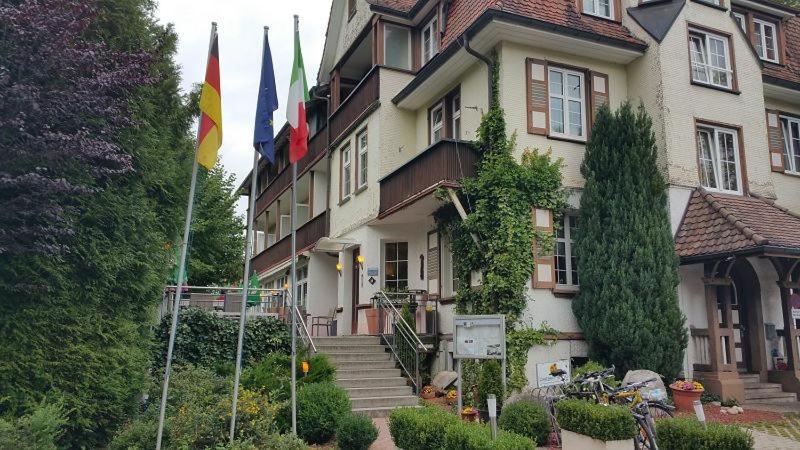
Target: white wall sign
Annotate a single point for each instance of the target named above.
(479, 337)
(544, 370)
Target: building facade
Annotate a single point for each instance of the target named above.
(400, 93)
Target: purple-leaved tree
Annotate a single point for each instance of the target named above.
(63, 104)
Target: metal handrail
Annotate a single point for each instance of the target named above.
(403, 321)
(407, 335)
(304, 334)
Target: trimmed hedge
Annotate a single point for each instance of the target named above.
(320, 407)
(603, 422)
(356, 432)
(431, 427)
(689, 434)
(527, 419)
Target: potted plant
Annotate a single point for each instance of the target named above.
(684, 393)
(451, 397)
(469, 414)
(428, 393)
(590, 426)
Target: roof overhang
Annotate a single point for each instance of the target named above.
(420, 9)
(334, 245)
(496, 26)
(781, 89)
(769, 7)
(759, 251)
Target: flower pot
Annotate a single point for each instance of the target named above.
(372, 321)
(684, 400)
(575, 441)
(469, 416)
(427, 395)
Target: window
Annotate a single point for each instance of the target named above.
(566, 261)
(791, 144)
(396, 46)
(430, 39)
(711, 62)
(302, 286)
(567, 103)
(346, 172)
(362, 158)
(741, 19)
(456, 119)
(766, 40)
(602, 8)
(437, 123)
(719, 159)
(396, 266)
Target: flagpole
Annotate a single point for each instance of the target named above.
(294, 274)
(181, 269)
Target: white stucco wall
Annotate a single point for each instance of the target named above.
(787, 186)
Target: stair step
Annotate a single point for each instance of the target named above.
(359, 365)
(762, 387)
(368, 373)
(750, 377)
(383, 391)
(377, 413)
(769, 397)
(369, 382)
(358, 357)
(348, 340)
(350, 348)
(385, 402)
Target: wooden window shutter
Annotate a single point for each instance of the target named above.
(537, 100)
(599, 93)
(618, 10)
(433, 263)
(544, 276)
(775, 134)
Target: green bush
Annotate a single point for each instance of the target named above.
(356, 432)
(39, 430)
(419, 428)
(490, 381)
(320, 370)
(473, 436)
(320, 406)
(528, 419)
(208, 340)
(689, 434)
(272, 375)
(603, 422)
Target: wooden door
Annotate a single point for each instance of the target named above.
(356, 276)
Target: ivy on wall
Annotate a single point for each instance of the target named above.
(499, 202)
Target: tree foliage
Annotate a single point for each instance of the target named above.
(627, 306)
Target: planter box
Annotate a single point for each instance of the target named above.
(575, 441)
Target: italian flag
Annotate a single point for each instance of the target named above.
(296, 106)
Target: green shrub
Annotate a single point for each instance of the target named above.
(603, 422)
(320, 370)
(356, 432)
(38, 430)
(272, 375)
(490, 381)
(320, 406)
(689, 434)
(419, 428)
(528, 419)
(473, 436)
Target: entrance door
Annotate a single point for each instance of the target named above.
(356, 276)
(740, 324)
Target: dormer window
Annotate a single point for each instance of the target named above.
(710, 59)
(766, 40)
(430, 39)
(601, 8)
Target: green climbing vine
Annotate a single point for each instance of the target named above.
(499, 202)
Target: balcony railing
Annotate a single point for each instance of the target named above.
(363, 97)
(307, 236)
(443, 163)
(316, 149)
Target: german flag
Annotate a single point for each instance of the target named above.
(209, 139)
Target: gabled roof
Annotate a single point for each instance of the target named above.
(656, 18)
(716, 224)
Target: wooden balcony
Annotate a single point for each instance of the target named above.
(307, 236)
(360, 102)
(317, 146)
(441, 164)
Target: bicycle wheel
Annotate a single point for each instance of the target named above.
(659, 410)
(646, 439)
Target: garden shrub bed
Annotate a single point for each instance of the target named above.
(689, 434)
(356, 432)
(527, 419)
(603, 422)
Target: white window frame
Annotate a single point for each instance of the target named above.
(396, 260)
(455, 121)
(593, 7)
(437, 127)
(791, 144)
(432, 28)
(715, 158)
(565, 102)
(700, 63)
(762, 39)
(409, 45)
(741, 19)
(347, 171)
(362, 142)
(302, 285)
(569, 241)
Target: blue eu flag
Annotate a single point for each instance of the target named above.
(263, 136)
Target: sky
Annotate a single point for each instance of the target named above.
(240, 25)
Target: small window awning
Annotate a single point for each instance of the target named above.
(716, 225)
(333, 245)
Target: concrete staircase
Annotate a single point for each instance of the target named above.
(756, 392)
(369, 374)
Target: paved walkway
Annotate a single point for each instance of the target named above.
(766, 441)
(384, 441)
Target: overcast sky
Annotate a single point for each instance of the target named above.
(240, 26)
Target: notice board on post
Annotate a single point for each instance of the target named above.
(479, 337)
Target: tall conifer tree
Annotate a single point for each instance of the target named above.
(627, 306)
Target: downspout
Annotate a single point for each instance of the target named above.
(489, 65)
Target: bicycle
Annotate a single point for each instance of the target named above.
(642, 410)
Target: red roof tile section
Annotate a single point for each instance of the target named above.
(397, 5)
(791, 70)
(719, 223)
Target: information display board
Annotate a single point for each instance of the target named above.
(479, 337)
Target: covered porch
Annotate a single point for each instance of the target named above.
(740, 278)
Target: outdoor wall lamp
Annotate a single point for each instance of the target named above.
(339, 268)
(360, 260)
